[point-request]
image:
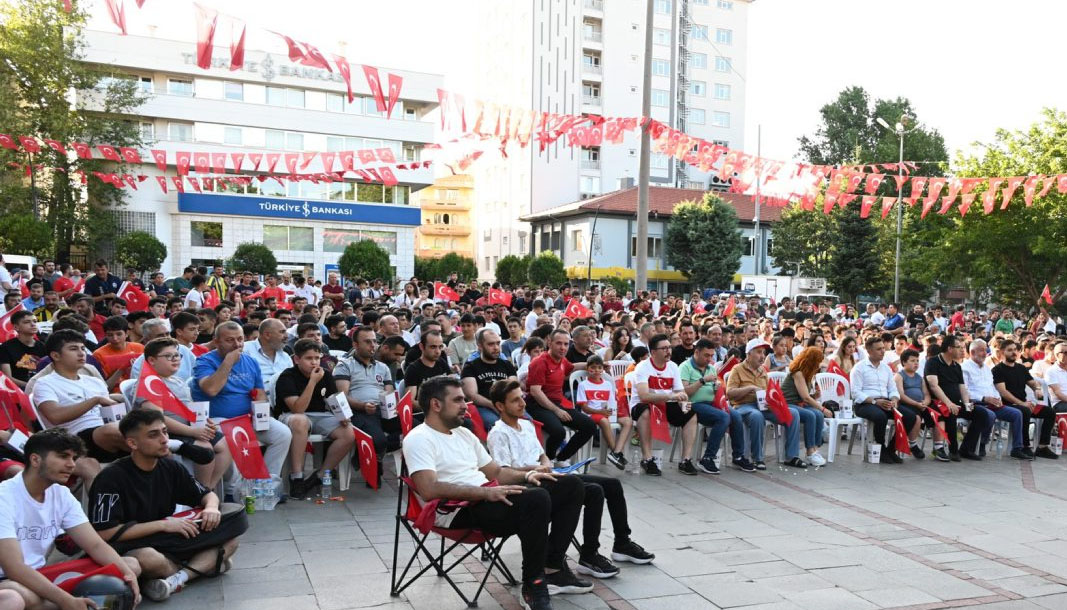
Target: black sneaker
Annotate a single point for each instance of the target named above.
(298, 489)
(564, 581)
(535, 595)
(1029, 453)
(941, 454)
(955, 457)
(744, 464)
(917, 452)
(687, 467)
(632, 552)
(1020, 454)
(617, 459)
(981, 451)
(196, 454)
(313, 482)
(967, 455)
(597, 566)
(708, 465)
(1047, 453)
(796, 463)
(651, 467)
(891, 457)
(761, 465)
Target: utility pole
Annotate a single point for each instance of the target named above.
(759, 172)
(641, 277)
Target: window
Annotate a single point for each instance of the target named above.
(661, 36)
(723, 64)
(661, 97)
(335, 102)
(723, 143)
(726, 5)
(697, 116)
(335, 240)
(275, 139)
(281, 96)
(206, 234)
(661, 67)
(452, 195)
(487, 263)
(234, 91)
(655, 246)
(370, 107)
(722, 92)
(145, 83)
(698, 87)
(148, 131)
(276, 96)
(698, 60)
(233, 135)
(746, 245)
(294, 141)
(285, 140)
(695, 185)
(410, 114)
(578, 240)
(180, 87)
(724, 36)
(663, 7)
(587, 185)
(180, 132)
(277, 237)
(411, 152)
(591, 61)
(700, 2)
(699, 32)
(658, 161)
(769, 252)
(720, 119)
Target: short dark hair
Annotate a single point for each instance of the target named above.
(207, 311)
(53, 440)
(116, 323)
(370, 317)
(250, 329)
(467, 319)
(20, 315)
(908, 354)
(948, 341)
(60, 338)
(334, 320)
(656, 339)
(305, 327)
(134, 316)
(157, 345)
(138, 418)
(594, 359)
(435, 387)
(427, 334)
(362, 329)
(183, 319)
(395, 340)
(500, 389)
(303, 346)
(703, 343)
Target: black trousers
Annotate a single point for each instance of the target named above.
(552, 427)
(530, 515)
(981, 419)
(597, 490)
(880, 418)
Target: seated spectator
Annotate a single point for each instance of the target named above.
(479, 375)
(978, 376)
(366, 384)
(700, 381)
(268, 350)
(132, 502)
(35, 300)
(203, 445)
(19, 355)
(39, 501)
(1011, 379)
(1056, 377)
(311, 330)
(516, 339)
(430, 363)
(513, 443)
(875, 393)
(597, 398)
(845, 357)
(619, 347)
(118, 353)
(579, 351)
(301, 395)
(742, 384)
(337, 338)
(797, 388)
(915, 399)
(780, 356)
(50, 308)
(447, 462)
(658, 382)
(208, 320)
(154, 329)
(548, 373)
(460, 348)
(230, 380)
(944, 375)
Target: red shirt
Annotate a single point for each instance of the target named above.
(956, 321)
(335, 294)
(550, 374)
(62, 284)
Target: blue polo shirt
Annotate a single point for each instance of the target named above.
(893, 323)
(235, 398)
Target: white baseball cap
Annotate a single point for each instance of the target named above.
(756, 344)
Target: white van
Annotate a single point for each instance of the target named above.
(17, 262)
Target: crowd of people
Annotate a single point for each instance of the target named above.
(232, 339)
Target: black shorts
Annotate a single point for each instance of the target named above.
(95, 451)
(675, 416)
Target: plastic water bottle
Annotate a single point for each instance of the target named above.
(258, 494)
(633, 466)
(327, 485)
(270, 494)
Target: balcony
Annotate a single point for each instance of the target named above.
(445, 205)
(593, 39)
(591, 100)
(591, 164)
(441, 228)
(594, 5)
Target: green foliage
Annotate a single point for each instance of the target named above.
(703, 241)
(546, 269)
(804, 238)
(257, 258)
(513, 270)
(463, 267)
(367, 260)
(23, 234)
(42, 48)
(426, 268)
(855, 263)
(140, 251)
(620, 285)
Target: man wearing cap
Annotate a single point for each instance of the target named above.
(743, 382)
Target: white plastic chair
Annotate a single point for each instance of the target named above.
(829, 385)
(617, 368)
(127, 389)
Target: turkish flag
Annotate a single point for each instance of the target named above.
(887, 204)
(375, 84)
(272, 161)
(195, 184)
(160, 157)
(108, 152)
(24, 288)
(68, 574)
(866, 204)
(211, 298)
(365, 155)
(720, 402)
(444, 292)
(476, 421)
(291, 160)
(661, 430)
(162, 180)
(1009, 190)
(395, 83)
(7, 331)
(117, 11)
(57, 146)
(136, 299)
(255, 158)
(1047, 295)
(181, 161)
(368, 457)
(179, 183)
(776, 403)
(576, 310)
(237, 49)
(499, 297)
(388, 177)
(405, 408)
(206, 20)
(900, 438)
(30, 144)
(238, 159)
(328, 159)
(241, 439)
(161, 395)
(218, 163)
(346, 74)
(1030, 189)
(16, 400)
(1049, 181)
(731, 307)
(385, 155)
(348, 160)
(873, 182)
(130, 180)
(727, 366)
(82, 149)
(118, 362)
(130, 155)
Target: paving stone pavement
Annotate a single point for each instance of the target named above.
(920, 536)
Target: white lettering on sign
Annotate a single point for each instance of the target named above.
(305, 209)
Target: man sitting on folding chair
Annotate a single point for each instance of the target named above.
(448, 463)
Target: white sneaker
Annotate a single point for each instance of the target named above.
(816, 460)
(159, 589)
(562, 464)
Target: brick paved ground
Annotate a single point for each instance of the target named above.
(851, 535)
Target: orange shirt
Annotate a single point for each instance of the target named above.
(108, 356)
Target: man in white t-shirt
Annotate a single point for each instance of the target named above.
(658, 382)
(35, 507)
(447, 462)
(1056, 377)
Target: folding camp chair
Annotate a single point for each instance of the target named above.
(408, 515)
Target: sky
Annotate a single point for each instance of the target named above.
(969, 67)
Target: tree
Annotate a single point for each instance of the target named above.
(620, 285)
(804, 238)
(513, 270)
(43, 51)
(855, 262)
(23, 234)
(367, 260)
(703, 241)
(140, 251)
(463, 267)
(257, 258)
(426, 268)
(546, 270)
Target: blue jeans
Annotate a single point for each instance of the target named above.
(753, 419)
(489, 417)
(719, 420)
(792, 432)
(1015, 418)
(812, 419)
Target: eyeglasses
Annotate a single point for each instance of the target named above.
(175, 356)
(662, 347)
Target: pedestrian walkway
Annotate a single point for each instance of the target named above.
(852, 535)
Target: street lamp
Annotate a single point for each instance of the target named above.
(900, 130)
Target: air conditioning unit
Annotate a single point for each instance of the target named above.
(812, 283)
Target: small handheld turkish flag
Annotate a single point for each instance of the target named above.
(499, 297)
(7, 331)
(836, 369)
(1047, 295)
(444, 292)
(720, 401)
(661, 430)
(576, 310)
(153, 389)
(368, 457)
(244, 447)
(136, 299)
(406, 410)
(776, 403)
(731, 307)
(17, 400)
(730, 363)
(476, 422)
(68, 574)
(900, 438)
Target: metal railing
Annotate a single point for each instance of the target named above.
(593, 36)
(596, 5)
(592, 100)
(590, 164)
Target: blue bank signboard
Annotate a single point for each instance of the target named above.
(299, 209)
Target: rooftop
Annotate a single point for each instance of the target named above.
(661, 202)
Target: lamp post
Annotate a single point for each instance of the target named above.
(900, 130)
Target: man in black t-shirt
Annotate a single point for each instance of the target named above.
(1011, 380)
(19, 356)
(431, 362)
(684, 350)
(102, 286)
(480, 374)
(803, 312)
(300, 399)
(144, 490)
(337, 337)
(945, 378)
